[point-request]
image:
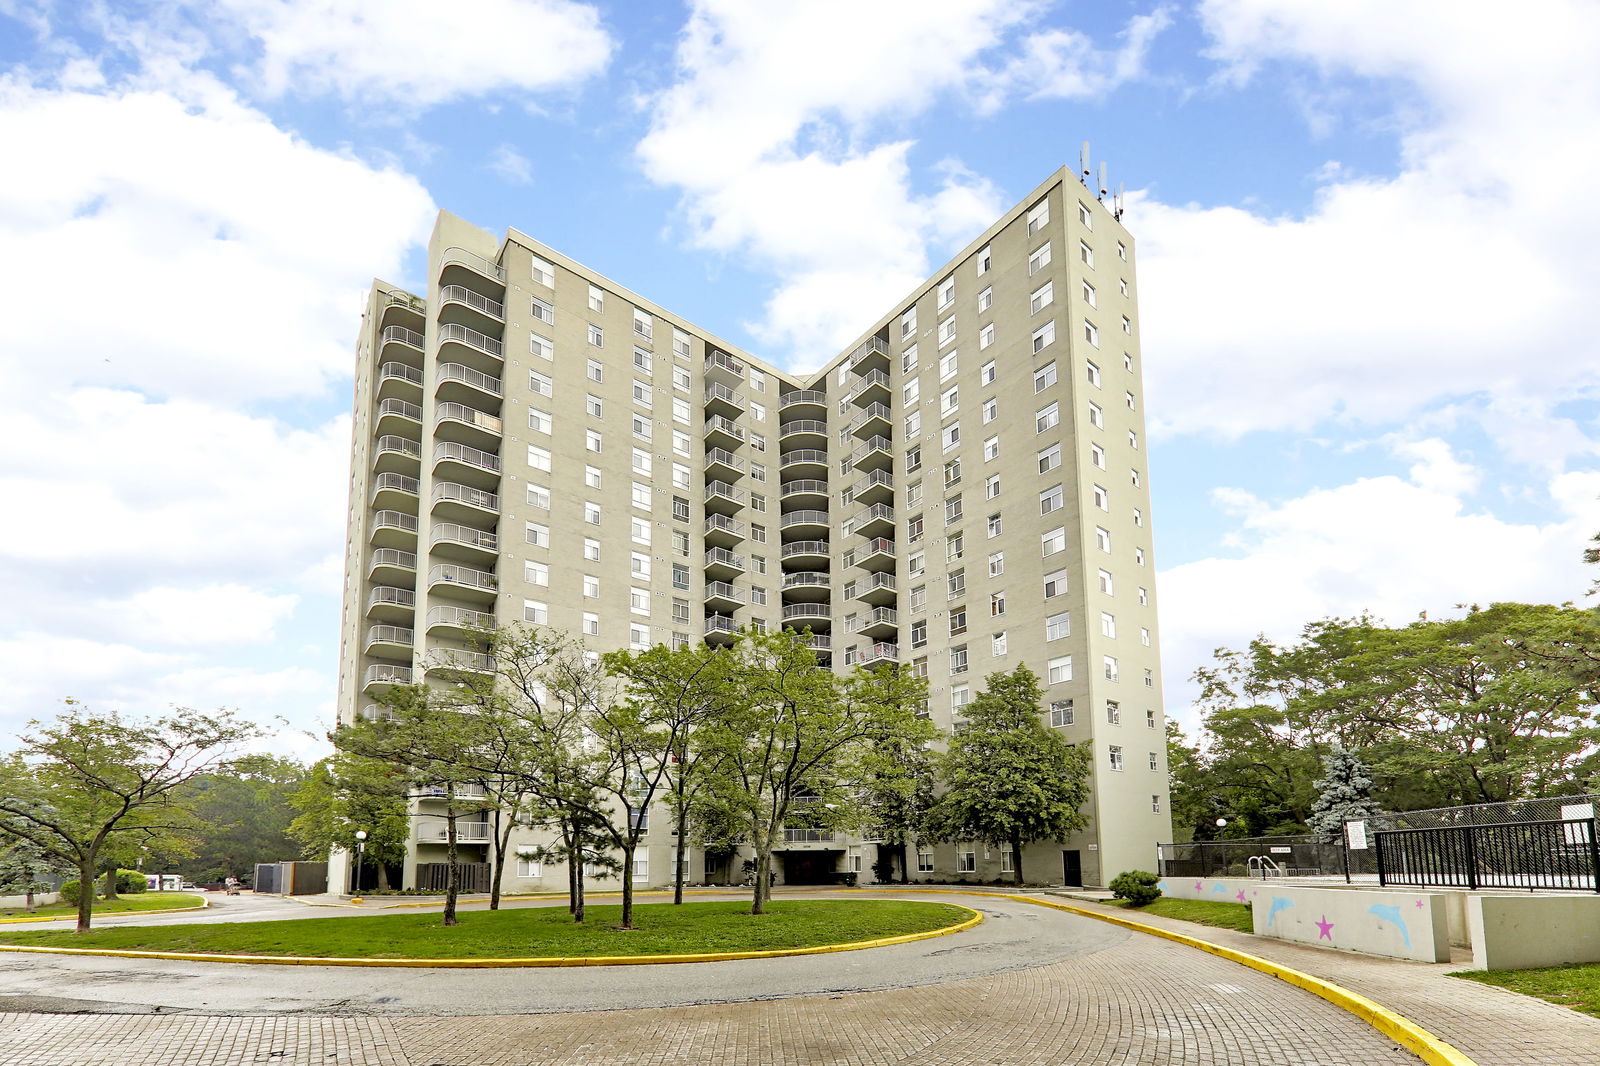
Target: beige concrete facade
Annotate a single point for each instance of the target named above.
(963, 489)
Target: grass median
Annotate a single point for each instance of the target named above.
(143, 901)
(1576, 986)
(544, 932)
(1200, 911)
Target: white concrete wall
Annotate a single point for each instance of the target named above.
(1217, 889)
(40, 899)
(1520, 932)
(1402, 925)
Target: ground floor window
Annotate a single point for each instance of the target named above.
(1005, 862)
(966, 862)
(924, 860)
(528, 868)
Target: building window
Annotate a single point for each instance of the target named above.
(591, 586)
(1053, 541)
(991, 448)
(1144, 597)
(536, 612)
(1114, 752)
(997, 563)
(985, 300)
(994, 525)
(1102, 539)
(592, 440)
(952, 509)
(542, 311)
(991, 486)
(639, 601)
(1086, 254)
(1055, 584)
(1091, 333)
(997, 604)
(596, 371)
(1051, 499)
(990, 410)
(1113, 713)
(1044, 377)
(594, 406)
(947, 331)
(1050, 458)
(1112, 672)
(1057, 626)
(1122, 251)
(955, 584)
(1150, 722)
(1155, 802)
(528, 868)
(680, 509)
(539, 496)
(966, 862)
(1097, 417)
(1149, 678)
(911, 392)
(591, 624)
(1097, 455)
(1058, 670)
(919, 632)
(538, 535)
(1107, 586)
(997, 644)
(925, 855)
(1044, 336)
(958, 626)
(536, 574)
(951, 435)
(539, 458)
(1089, 295)
(1047, 417)
(947, 292)
(1060, 713)
(1041, 298)
(597, 336)
(1084, 216)
(541, 384)
(1038, 216)
(597, 299)
(1102, 498)
(591, 549)
(591, 512)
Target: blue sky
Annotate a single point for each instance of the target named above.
(1367, 277)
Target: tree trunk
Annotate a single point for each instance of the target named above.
(85, 894)
(111, 883)
(677, 854)
(452, 883)
(763, 890)
(627, 883)
(383, 876)
(905, 863)
(578, 908)
(1016, 860)
(502, 840)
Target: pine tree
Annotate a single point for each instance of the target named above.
(1344, 793)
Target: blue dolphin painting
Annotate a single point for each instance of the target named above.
(1278, 903)
(1219, 887)
(1391, 914)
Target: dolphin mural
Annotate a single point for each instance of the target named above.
(1279, 903)
(1390, 914)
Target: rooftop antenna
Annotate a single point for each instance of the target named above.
(1117, 203)
(1083, 162)
(1102, 194)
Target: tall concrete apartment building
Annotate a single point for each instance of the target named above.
(961, 490)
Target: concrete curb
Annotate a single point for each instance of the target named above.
(480, 964)
(204, 904)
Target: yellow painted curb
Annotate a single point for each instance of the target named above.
(1431, 1049)
(479, 964)
(73, 917)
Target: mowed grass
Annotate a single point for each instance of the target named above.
(1575, 986)
(1200, 911)
(144, 901)
(661, 929)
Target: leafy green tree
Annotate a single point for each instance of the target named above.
(1194, 801)
(1008, 779)
(88, 781)
(345, 794)
(26, 869)
(1344, 793)
(245, 815)
(895, 774)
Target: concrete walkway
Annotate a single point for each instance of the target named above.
(1493, 1026)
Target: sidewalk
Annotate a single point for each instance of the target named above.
(1493, 1026)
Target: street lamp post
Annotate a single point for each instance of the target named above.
(361, 848)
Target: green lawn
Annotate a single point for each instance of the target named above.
(143, 901)
(1576, 986)
(1200, 911)
(662, 929)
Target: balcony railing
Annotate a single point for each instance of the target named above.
(468, 376)
(460, 412)
(877, 379)
(805, 547)
(401, 372)
(394, 520)
(808, 836)
(460, 617)
(876, 546)
(806, 610)
(806, 579)
(880, 652)
(462, 791)
(719, 424)
(450, 491)
(386, 674)
(466, 832)
(461, 453)
(876, 479)
(724, 557)
(871, 350)
(450, 574)
(400, 408)
(725, 491)
(391, 596)
(723, 457)
(720, 360)
(394, 557)
(715, 391)
(396, 298)
(455, 331)
(805, 517)
(804, 486)
(455, 662)
(456, 533)
(876, 444)
(878, 512)
(477, 301)
(723, 524)
(395, 483)
(808, 426)
(721, 623)
(398, 635)
(401, 335)
(473, 261)
(803, 455)
(402, 445)
(721, 590)
(804, 396)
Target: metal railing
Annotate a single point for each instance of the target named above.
(459, 616)
(394, 520)
(462, 453)
(807, 579)
(803, 425)
(401, 372)
(402, 408)
(877, 512)
(468, 376)
(870, 413)
(803, 396)
(387, 674)
(466, 832)
(724, 557)
(453, 661)
(872, 480)
(806, 610)
(717, 391)
(1554, 854)
(451, 574)
(395, 483)
(867, 349)
(460, 412)
(722, 424)
(820, 642)
(880, 616)
(721, 590)
(882, 580)
(876, 444)
(808, 836)
(724, 490)
(724, 457)
(395, 557)
(389, 442)
(382, 634)
(805, 517)
(457, 533)
(809, 486)
(803, 455)
(725, 524)
(401, 335)
(389, 594)
(465, 790)
(882, 651)
(465, 494)
(721, 623)
(474, 261)
(455, 331)
(875, 546)
(871, 380)
(476, 300)
(805, 547)
(721, 360)
(396, 298)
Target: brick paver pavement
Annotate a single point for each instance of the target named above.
(1493, 1026)
(1141, 1002)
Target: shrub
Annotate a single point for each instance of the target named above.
(131, 881)
(69, 892)
(1138, 887)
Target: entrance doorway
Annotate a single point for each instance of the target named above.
(1072, 868)
(809, 867)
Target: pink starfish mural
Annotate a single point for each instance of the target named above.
(1241, 895)
(1324, 929)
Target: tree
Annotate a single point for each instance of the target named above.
(26, 869)
(1193, 799)
(87, 781)
(1344, 793)
(795, 730)
(246, 815)
(896, 775)
(345, 794)
(1008, 779)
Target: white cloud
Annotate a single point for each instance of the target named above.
(511, 165)
(1389, 545)
(415, 53)
(1470, 272)
(803, 183)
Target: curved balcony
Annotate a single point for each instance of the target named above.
(723, 465)
(458, 620)
(395, 492)
(878, 654)
(471, 269)
(372, 712)
(876, 554)
(721, 629)
(870, 355)
(460, 663)
(804, 488)
(723, 498)
(821, 643)
(398, 342)
(870, 388)
(394, 529)
(722, 564)
(804, 403)
(458, 382)
(815, 616)
(476, 349)
(402, 307)
(463, 581)
(878, 589)
(875, 454)
(876, 487)
(722, 432)
(468, 465)
(875, 521)
(452, 500)
(396, 454)
(467, 425)
(721, 596)
(722, 531)
(380, 676)
(721, 400)
(393, 566)
(804, 524)
(398, 416)
(457, 303)
(388, 640)
(803, 461)
(806, 554)
(451, 540)
(399, 381)
(388, 603)
(723, 368)
(804, 433)
(873, 421)
(881, 622)
(807, 584)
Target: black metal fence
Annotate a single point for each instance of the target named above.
(434, 876)
(1277, 856)
(1552, 854)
